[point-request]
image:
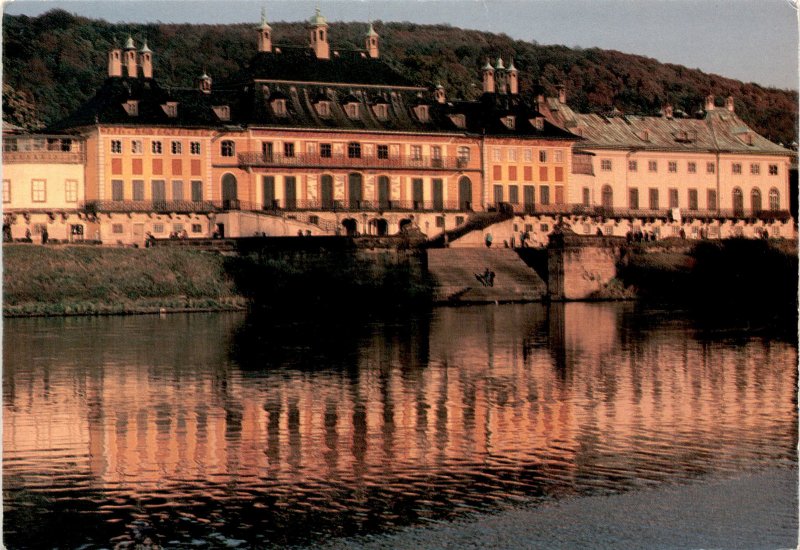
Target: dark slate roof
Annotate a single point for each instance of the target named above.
(107, 106)
(299, 64)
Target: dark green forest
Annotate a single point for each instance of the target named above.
(54, 62)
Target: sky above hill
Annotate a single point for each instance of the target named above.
(749, 40)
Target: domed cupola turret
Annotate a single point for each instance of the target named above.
(371, 42)
(264, 34)
(318, 34)
(146, 61)
(130, 58)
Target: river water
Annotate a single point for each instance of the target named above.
(212, 430)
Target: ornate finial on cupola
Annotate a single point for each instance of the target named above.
(318, 33)
(371, 42)
(204, 83)
(264, 33)
(129, 45)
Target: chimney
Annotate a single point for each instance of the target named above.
(668, 110)
(729, 103)
(130, 57)
(439, 94)
(318, 32)
(115, 62)
(488, 78)
(146, 61)
(562, 94)
(264, 34)
(709, 102)
(371, 42)
(500, 76)
(513, 78)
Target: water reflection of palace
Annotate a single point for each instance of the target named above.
(145, 403)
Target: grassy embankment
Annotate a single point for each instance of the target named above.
(84, 280)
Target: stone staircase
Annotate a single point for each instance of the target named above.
(453, 271)
(477, 221)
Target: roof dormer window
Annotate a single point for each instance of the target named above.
(351, 109)
(459, 120)
(509, 121)
(381, 111)
(747, 138)
(131, 107)
(422, 112)
(538, 123)
(170, 109)
(644, 135)
(279, 106)
(223, 112)
(323, 108)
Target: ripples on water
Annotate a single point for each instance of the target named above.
(228, 430)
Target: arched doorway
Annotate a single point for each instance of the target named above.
(379, 227)
(350, 227)
(405, 224)
(383, 192)
(738, 202)
(607, 197)
(464, 194)
(355, 191)
(229, 193)
(326, 192)
(755, 200)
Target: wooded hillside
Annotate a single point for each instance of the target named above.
(54, 62)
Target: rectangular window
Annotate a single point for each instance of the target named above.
(383, 152)
(227, 148)
(117, 190)
(736, 168)
(544, 194)
(197, 191)
(177, 148)
(463, 155)
(6, 190)
(543, 173)
(709, 168)
(605, 165)
(692, 199)
(116, 228)
(542, 155)
(673, 198)
(138, 190)
(354, 150)
(436, 152)
(288, 150)
(177, 190)
(755, 169)
(633, 199)
(158, 228)
(156, 147)
(653, 199)
(197, 228)
(136, 147)
(529, 196)
(632, 166)
(558, 156)
(416, 152)
(325, 150)
(527, 155)
(439, 221)
(497, 173)
(116, 146)
(691, 167)
(512, 173)
(498, 194)
(586, 196)
(513, 194)
(71, 190)
(195, 147)
(512, 155)
(711, 199)
(497, 154)
(416, 192)
(672, 166)
(652, 165)
(438, 193)
(527, 173)
(773, 169)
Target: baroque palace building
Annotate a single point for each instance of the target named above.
(318, 140)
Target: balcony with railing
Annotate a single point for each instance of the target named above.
(341, 161)
(161, 207)
(43, 149)
(369, 206)
(572, 209)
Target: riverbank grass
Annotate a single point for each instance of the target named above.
(81, 280)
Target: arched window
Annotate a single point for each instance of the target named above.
(355, 190)
(774, 199)
(607, 197)
(464, 194)
(738, 202)
(228, 148)
(755, 200)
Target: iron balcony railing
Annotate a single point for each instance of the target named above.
(58, 157)
(159, 206)
(665, 213)
(366, 205)
(317, 160)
